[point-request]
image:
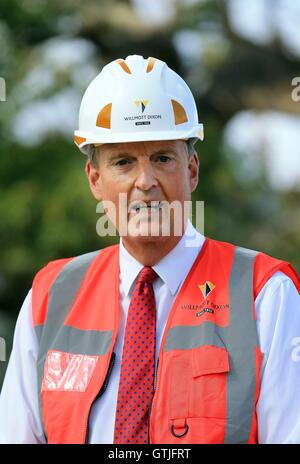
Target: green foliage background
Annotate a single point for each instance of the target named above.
(47, 211)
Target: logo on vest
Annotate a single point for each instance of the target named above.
(205, 310)
(206, 306)
(206, 288)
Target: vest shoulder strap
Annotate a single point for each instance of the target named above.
(265, 266)
(41, 284)
(47, 276)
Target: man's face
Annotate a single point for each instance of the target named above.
(146, 172)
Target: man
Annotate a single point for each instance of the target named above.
(166, 338)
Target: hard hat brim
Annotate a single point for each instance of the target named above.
(83, 138)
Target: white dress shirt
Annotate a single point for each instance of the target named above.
(278, 325)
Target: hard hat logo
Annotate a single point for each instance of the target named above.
(104, 117)
(141, 119)
(141, 104)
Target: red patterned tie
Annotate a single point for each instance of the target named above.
(136, 385)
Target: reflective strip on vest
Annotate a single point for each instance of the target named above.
(239, 338)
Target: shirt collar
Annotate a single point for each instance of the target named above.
(183, 254)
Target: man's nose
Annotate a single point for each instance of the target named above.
(145, 179)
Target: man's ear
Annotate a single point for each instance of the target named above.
(94, 178)
(194, 170)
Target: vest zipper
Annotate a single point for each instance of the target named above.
(150, 407)
(102, 390)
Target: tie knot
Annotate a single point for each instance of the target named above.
(147, 274)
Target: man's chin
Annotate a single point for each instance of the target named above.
(152, 233)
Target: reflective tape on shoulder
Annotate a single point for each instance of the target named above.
(61, 297)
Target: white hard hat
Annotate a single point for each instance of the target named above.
(134, 100)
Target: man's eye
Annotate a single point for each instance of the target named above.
(164, 158)
(122, 162)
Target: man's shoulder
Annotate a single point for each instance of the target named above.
(264, 265)
(53, 267)
(261, 255)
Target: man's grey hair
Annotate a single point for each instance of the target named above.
(190, 146)
(91, 150)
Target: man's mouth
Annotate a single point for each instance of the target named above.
(143, 206)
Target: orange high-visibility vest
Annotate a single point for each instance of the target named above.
(207, 382)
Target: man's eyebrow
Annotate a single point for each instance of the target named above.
(161, 151)
(164, 151)
(113, 156)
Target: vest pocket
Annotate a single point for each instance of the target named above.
(197, 395)
(67, 371)
(210, 365)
